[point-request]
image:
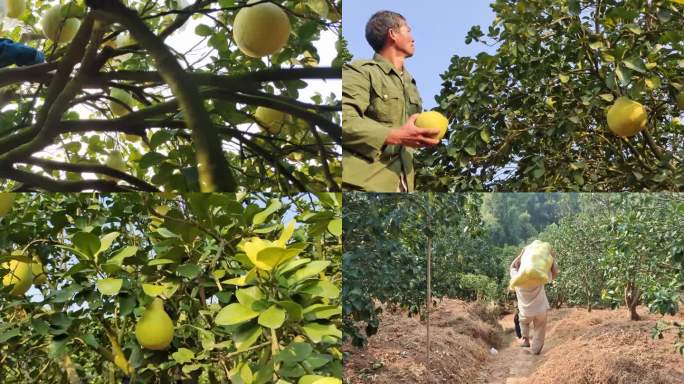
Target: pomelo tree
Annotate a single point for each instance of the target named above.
(532, 115)
(249, 283)
(166, 85)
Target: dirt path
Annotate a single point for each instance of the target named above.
(513, 364)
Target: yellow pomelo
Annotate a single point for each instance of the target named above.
(626, 117)
(270, 120)
(57, 28)
(433, 119)
(679, 1)
(155, 329)
(680, 99)
(261, 30)
(39, 276)
(6, 201)
(123, 97)
(15, 8)
(19, 276)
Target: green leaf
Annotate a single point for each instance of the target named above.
(150, 159)
(323, 289)
(153, 289)
(166, 233)
(319, 6)
(120, 256)
(260, 217)
(273, 317)
(564, 78)
(484, 135)
(107, 240)
(335, 227)
(233, 314)
(189, 271)
(470, 150)
(87, 243)
(321, 311)
(635, 63)
(204, 30)
(315, 379)
(316, 331)
(246, 336)
(295, 353)
(109, 286)
(311, 269)
(160, 262)
(248, 296)
(8, 334)
(183, 355)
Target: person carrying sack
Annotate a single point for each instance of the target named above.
(531, 269)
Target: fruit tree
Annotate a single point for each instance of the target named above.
(174, 87)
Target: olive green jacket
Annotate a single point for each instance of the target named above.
(376, 98)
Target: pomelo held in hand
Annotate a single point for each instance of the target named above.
(20, 277)
(261, 30)
(57, 28)
(433, 119)
(155, 328)
(270, 120)
(626, 117)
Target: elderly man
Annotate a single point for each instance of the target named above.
(380, 103)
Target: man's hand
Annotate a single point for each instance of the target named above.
(412, 136)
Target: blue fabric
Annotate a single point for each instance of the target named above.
(19, 54)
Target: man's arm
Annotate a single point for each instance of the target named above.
(515, 265)
(366, 136)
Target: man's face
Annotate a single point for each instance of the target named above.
(403, 39)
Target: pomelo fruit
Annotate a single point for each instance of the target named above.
(57, 28)
(626, 117)
(155, 328)
(261, 30)
(433, 119)
(19, 276)
(270, 120)
(39, 276)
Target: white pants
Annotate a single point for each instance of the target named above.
(538, 333)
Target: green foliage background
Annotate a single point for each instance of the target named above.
(188, 250)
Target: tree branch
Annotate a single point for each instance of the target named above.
(214, 173)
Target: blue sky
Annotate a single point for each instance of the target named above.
(439, 28)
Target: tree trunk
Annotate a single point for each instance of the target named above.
(632, 296)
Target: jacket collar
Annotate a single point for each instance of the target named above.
(385, 64)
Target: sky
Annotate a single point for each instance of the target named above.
(439, 28)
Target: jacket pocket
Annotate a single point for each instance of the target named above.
(386, 103)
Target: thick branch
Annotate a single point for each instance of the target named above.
(214, 173)
(52, 185)
(92, 168)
